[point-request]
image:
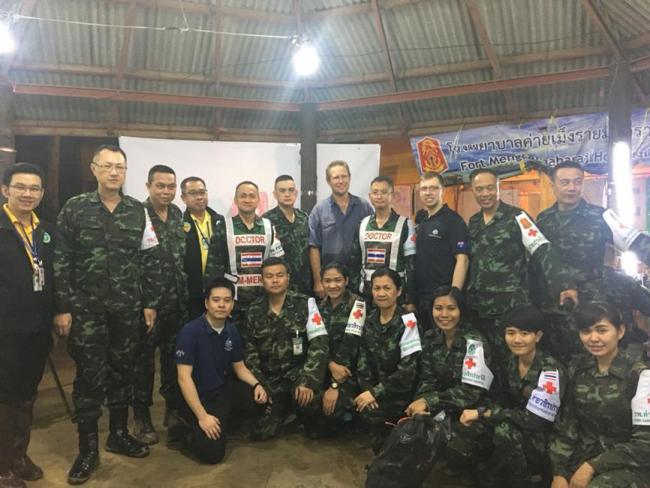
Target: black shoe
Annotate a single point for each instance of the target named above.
(143, 429)
(119, 441)
(87, 460)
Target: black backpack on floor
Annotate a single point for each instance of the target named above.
(409, 452)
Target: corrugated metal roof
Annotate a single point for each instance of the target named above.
(419, 35)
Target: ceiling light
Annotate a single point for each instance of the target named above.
(306, 60)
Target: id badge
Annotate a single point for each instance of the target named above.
(39, 278)
(297, 345)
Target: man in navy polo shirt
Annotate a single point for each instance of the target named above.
(208, 350)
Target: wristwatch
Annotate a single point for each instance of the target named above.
(481, 411)
(334, 385)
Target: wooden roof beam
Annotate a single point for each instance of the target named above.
(127, 36)
(151, 97)
(469, 89)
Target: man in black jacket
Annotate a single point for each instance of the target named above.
(26, 311)
(200, 223)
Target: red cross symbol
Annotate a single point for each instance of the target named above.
(357, 313)
(550, 389)
(410, 324)
(532, 232)
(470, 363)
(316, 319)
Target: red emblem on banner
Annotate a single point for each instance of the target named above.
(431, 156)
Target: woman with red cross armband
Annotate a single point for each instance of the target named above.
(454, 374)
(602, 437)
(522, 417)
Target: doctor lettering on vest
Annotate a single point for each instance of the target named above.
(238, 248)
(385, 239)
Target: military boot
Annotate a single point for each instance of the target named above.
(143, 429)
(22, 464)
(88, 457)
(119, 440)
(8, 478)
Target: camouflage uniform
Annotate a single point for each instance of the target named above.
(270, 355)
(498, 276)
(595, 425)
(105, 280)
(381, 370)
(343, 349)
(520, 437)
(247, 260)
(579, 237)
(378, 254)
(294, 237)
(441, 387)
(641, 247)
(171, 313)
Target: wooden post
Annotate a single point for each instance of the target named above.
(308, 138)
(619, 108)
(7, 143)
(52, 179)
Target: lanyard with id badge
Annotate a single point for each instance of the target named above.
(38, 277)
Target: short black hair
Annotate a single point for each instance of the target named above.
(527, 318)
(587, 314)
(220, 282)
(22, 168)
(337, 266)
(159, 168)
(108, 147)
(427, 175)
(246, 182)
(480, 171)
(390, 273)
(564, 165)
(273, 261)
(383, 179)
(282, 178)
(190, 179)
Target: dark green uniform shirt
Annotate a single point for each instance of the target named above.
(441, 369)
(171, 250)
(270, 352)
(98, 263)
(380, 368)
(343, 347)
(294, 237)
(595, 422)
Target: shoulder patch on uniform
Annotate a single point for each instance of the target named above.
(356, 319)
(46, 238)
(315, 325)
(475, 370)
(187, 227)
(641, 400)
(410, 342)
(544, 400)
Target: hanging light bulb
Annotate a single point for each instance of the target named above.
(7, 43)
(306, 60)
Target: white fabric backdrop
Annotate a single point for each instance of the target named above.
(224, 164)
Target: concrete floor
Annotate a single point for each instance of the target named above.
(291, 461)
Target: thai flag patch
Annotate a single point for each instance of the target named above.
(250, 259)
(376, 256)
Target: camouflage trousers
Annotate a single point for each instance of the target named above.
(517, 455)
(621, 478)
(344, 409)
(468, 446)
(270, 423)
(163, 336)
(102, 346)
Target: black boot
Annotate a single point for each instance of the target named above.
(22, 464)
(8, 478)
(88, 458)
(119, 440)
(143, 429)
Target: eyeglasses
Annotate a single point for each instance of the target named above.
(27, 189)
(196, 193)
(119, 168)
